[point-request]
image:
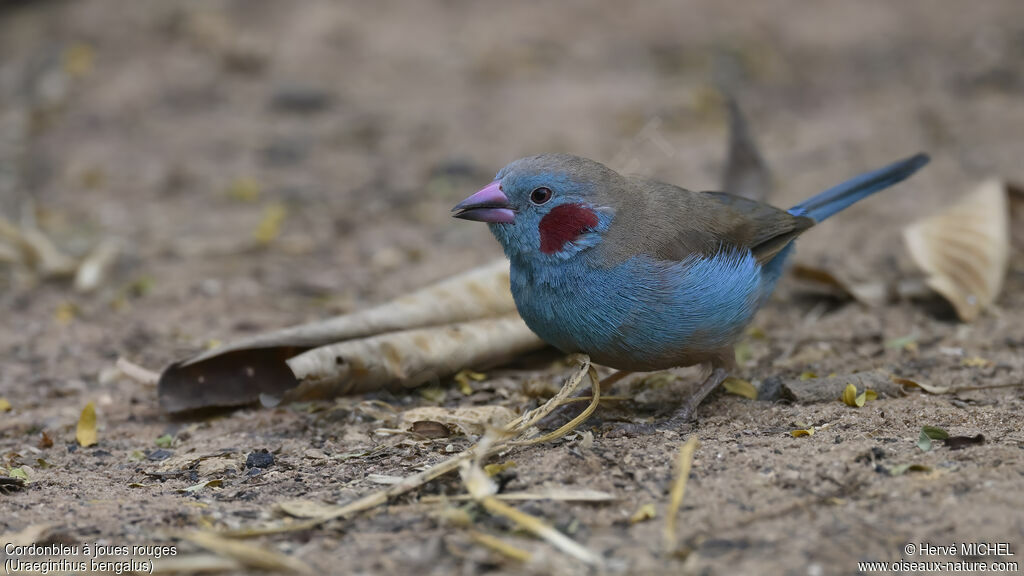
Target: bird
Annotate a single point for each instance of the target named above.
(642, 275)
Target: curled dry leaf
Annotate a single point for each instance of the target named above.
(836, 282)
(471, 420)
(430, 429)
(408, 358)
(965, 249)
(239, 373)
(929, 388)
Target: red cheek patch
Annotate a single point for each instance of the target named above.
(564, 224)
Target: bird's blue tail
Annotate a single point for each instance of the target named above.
(853, 190)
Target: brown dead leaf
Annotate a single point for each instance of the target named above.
(922, 385)
(430, 429)
(965, 249)
(836, 282)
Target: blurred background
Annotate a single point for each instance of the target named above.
(233, 166)
(257, 149)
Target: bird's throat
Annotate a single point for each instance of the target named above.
(564, 224)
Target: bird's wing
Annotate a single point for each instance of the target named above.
(669, 223)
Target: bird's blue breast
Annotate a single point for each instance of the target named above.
(642, 314)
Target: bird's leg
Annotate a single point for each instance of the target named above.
(721, 365)
(688, 410)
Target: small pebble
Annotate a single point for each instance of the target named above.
(261, 458)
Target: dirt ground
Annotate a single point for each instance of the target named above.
(178, 127)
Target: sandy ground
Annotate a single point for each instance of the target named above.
(175, 126)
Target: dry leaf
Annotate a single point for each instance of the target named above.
(644, 513)
(409, 358)
(430, 429)
(239, 373)
(965, 249)
(740, 388)
(270, 224)
(305, 509)
(86, 431)
(471, 420)
(94, 269)
(197, 487)
(975, 362)
(5, 405)
(495, 469)
(926, 387)
(929, 433)
(901, 469)
(849, 396)
(871, 293)
(804, 432)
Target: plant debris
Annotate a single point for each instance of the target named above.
(929, 433)
(851, 398)
(682, 475)
(965, 249)
(740, 388)
(86, 434)
(472, 314)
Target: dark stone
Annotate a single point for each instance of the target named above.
(261, 458)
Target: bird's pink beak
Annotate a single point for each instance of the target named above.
(487, 205)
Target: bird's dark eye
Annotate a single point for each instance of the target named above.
(541, 195)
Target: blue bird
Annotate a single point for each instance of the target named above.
(642, 275)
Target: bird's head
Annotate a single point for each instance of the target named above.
(546, 207)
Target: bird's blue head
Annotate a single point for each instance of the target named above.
(546, 208)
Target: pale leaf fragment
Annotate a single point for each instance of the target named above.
(408, 358)
(93, 270)
(472, 420)
(965, 249)
(740, 388)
